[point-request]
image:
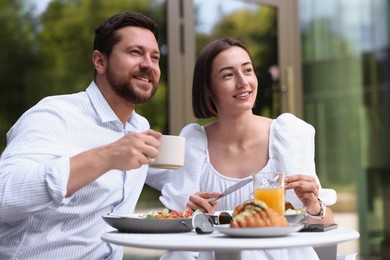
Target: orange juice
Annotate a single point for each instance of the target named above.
(273, 197)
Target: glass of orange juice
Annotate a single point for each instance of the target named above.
(269, 187)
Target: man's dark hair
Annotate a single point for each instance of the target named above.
(106, 36)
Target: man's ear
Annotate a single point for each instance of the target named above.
(99, 61)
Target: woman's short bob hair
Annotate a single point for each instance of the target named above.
(202, 104)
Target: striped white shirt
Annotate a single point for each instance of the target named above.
(36, 220)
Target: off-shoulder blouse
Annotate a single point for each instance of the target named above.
(291, 150)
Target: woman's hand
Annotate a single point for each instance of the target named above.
(200, 200)
(306, 188)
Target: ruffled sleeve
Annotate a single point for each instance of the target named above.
(292, 151)
(177, 185)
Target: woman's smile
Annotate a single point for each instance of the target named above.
(243, 95)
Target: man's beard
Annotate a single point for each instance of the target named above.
(125, 89)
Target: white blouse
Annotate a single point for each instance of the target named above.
(291, 150)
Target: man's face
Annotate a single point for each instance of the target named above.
(133, 70)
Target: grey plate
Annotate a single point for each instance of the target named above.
(135, 223)
(260, 231)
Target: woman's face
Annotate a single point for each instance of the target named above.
(233, 82)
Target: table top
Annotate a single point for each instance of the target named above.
(216, 241)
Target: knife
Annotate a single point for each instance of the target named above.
(231, 189)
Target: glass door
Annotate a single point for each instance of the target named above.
(270, 32)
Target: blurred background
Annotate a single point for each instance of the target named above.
(328, 62)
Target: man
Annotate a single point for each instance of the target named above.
(71, 159)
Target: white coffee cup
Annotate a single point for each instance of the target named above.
(170, 153)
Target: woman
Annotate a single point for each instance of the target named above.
(238, 144)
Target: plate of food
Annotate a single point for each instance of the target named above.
(294, 215)
(254, 218)
(259, 231)
(165, 221)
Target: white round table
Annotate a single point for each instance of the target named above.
(230, 248)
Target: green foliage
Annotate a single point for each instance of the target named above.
(320, 42)
(52, 54)
(149, 198)
(67, 37)
(18, 55)
(259, 36)
(156, 110)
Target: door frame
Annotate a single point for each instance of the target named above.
(181, 59)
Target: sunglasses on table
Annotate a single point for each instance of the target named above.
(203, 223)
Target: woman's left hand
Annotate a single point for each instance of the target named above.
(306, 188)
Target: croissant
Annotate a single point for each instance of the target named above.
(255, 213)
(288, 205)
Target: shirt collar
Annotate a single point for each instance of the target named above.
(102, 107)
(100, 104)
